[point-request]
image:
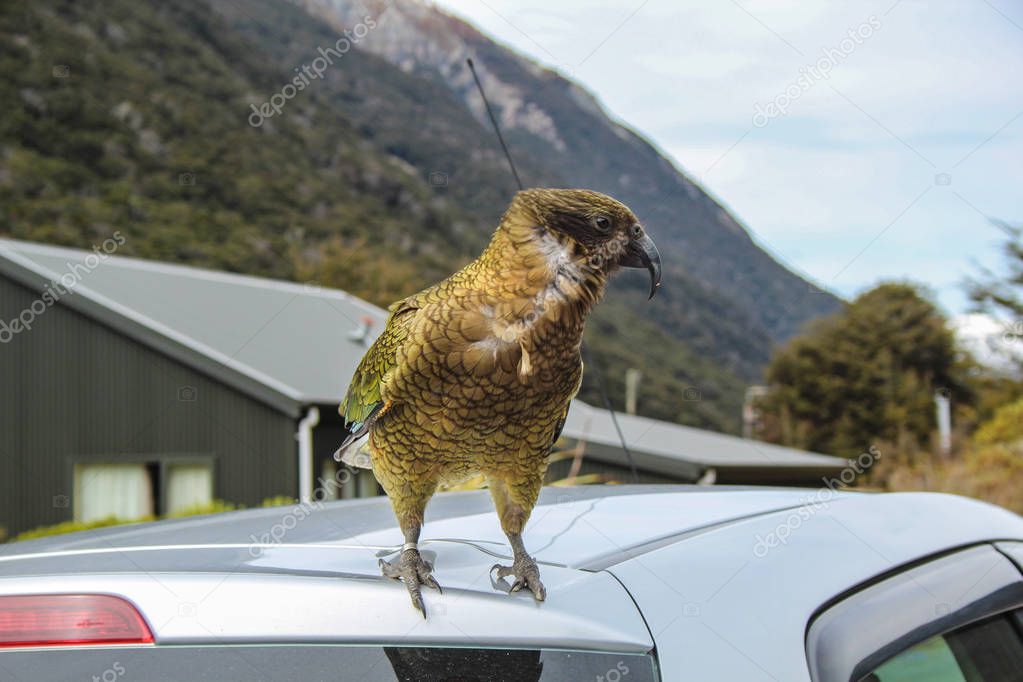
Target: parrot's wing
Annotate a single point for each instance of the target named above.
(564, 415)
(559, 428)
(363, 401)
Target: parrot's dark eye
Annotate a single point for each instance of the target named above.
(636, 231)
(602, 223)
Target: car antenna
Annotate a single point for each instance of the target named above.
(594, 368)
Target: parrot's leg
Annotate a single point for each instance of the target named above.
(409, 503)
(514, 500)
(414, 571)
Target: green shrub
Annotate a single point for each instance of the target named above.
(75, 526)
(1006, 426)
(214, 507)
(989, 468)
(278, 501)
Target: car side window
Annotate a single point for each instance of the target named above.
(989, 651)
(951, 619)
(929, 660)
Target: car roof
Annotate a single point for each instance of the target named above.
(309, 572)
(581, 527)
(585, 527)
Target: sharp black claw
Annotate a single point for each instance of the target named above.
(414, 571)
(526, 575)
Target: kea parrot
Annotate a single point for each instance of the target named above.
(474, 375)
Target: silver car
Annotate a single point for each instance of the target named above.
(643, 583)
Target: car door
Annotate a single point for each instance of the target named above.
(956, 618)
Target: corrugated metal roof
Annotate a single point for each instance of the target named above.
(295, 341)
(291, 336)
(669, 440)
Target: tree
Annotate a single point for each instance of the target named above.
(865, 375)
(1003, 294)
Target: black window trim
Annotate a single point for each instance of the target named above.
(836, 652)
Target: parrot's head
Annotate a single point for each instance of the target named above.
(597, 231)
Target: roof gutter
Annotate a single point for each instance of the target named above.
(304, 436)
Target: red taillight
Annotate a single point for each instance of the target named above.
(70, 619)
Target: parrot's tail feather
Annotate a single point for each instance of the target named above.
(357, 458)
(355, 431)
(352, 450)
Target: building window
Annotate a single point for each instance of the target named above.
(101, 491)
(189, 485)
(137, 489)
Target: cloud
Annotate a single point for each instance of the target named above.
(993, 342)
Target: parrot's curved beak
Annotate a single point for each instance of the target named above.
(642, 253)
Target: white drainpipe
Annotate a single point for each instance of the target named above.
(305, 454)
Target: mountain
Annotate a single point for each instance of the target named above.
(569, 138)
(215, 132)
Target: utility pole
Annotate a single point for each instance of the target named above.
(632, 379)
(943, 406)
(750, 413)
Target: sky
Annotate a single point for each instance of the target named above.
(859, 142)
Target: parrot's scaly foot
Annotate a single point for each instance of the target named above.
(526, 575)
(414, 571)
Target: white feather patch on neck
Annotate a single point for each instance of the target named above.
(558, 256)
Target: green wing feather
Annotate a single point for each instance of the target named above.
(363, 400)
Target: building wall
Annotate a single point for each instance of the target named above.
(71, 389)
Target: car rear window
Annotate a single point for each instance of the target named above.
(229, 663)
